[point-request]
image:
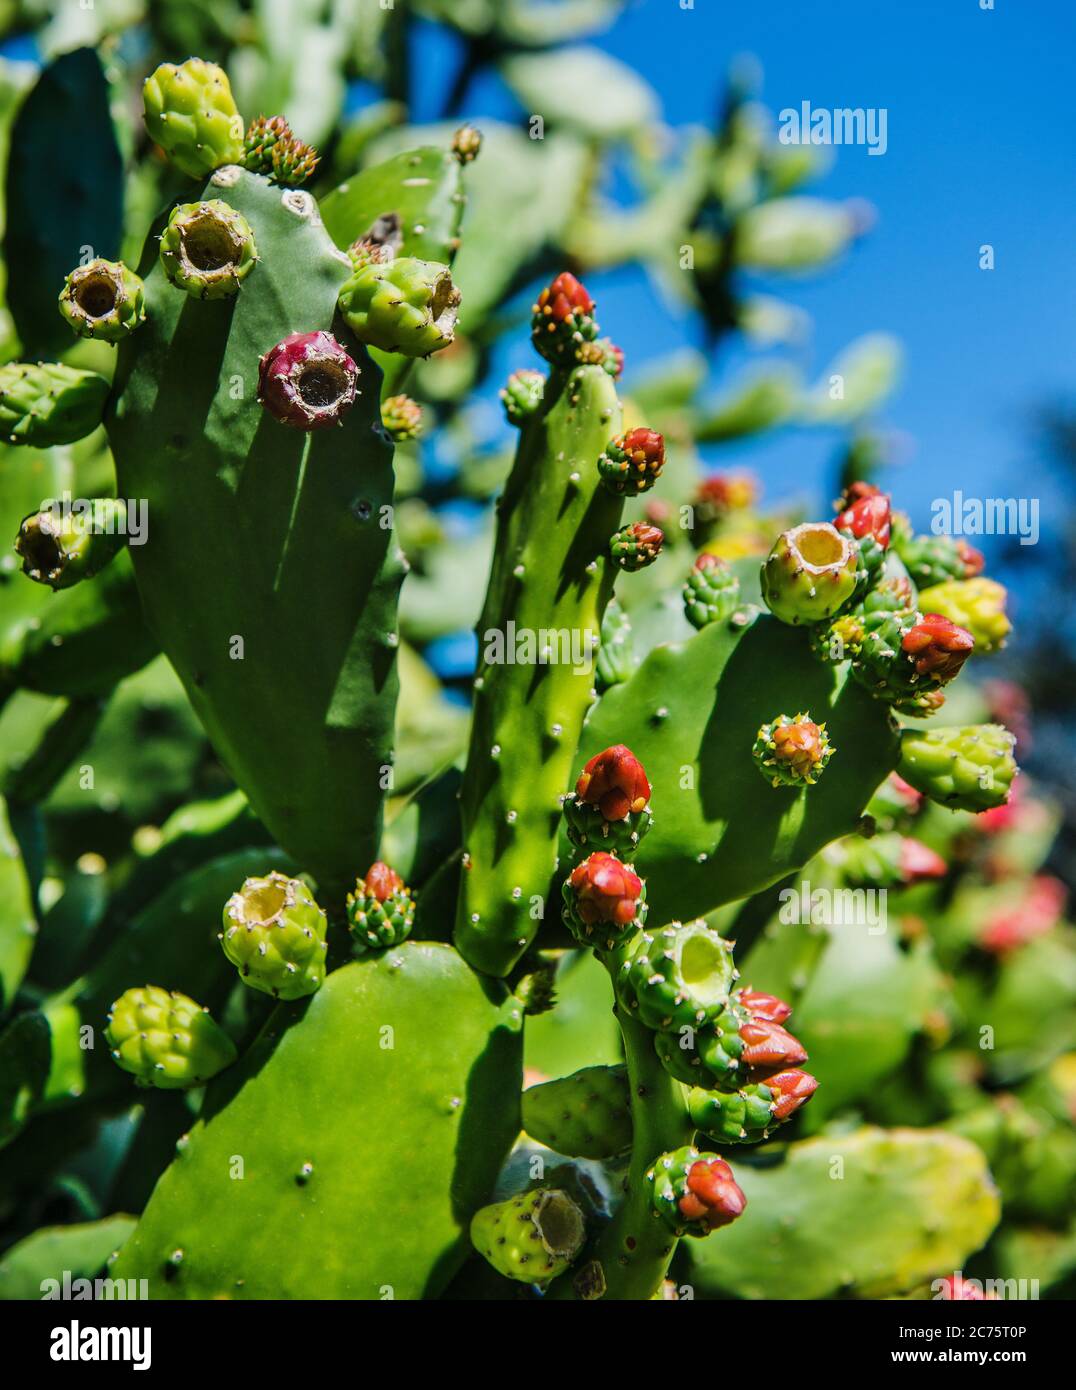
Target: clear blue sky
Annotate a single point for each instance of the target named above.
(980, 150)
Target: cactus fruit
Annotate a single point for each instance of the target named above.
(680, 975)
(864, 515)
(604, 901)
(293, 161)
(563, 320)
(467, 144)
(380, 910)
(694, 1193)
(522, 395)
(532, 1237)
(610, 808)
(165, 1039)
(932, 560)
(401, 305)
(967, 769)
(103, 299)
(263, 135)
(811, 573)
(636, 545)
(274, 932)
(191, 114)
(975, 604)
(908, 657)
(738, 1045)
(402, 418)
(207, 249)
(308, 380)
(711, 591)
(49, 403)
(750, 1114)
(632, 463)
(585, 1115)
(792, 751)
(605, 353)
(61, 548)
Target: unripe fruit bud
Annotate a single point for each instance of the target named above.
(937, 647)
(614, 781)
(632, 463)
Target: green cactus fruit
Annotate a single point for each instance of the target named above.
(532, 1237)
(274, 932)
(605, 354)
(610, 809)
(402, 418)
(563, 320)
(694, 1193)
(165, 1039)
(585, 1115)
(401, 305)
(711, 591)
(103, 299)
(636, 545)
(811, 573)
(792, 751)
(604, 901)
(887, 610)
(909, 657)
(293, 161)
(967, 769)
(48, 403)
(975, 604)
(682, 974)
(207, 249)
(632, 463)
(263, 135)
(522, 394)
(381, 910)
(191, 114)
(616, 650)
(864, 516)
(931, 560)
(744, 1043)
(62, 546)
(750, 1114)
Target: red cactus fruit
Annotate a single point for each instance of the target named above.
(382, 881)
(919, 862)
(615, 782)
(938, 647)
(764, 1006)
(793, 1089)
(768, 1045)
(974, 560)
(799, 746)
(726, 492)
(307, 380)
(713, 1196)
(564, 298)
(1039, 912)
(868, 514)
(605, 889)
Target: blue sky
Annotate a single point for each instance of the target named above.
(979, 151)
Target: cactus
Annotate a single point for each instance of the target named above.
(651, 760)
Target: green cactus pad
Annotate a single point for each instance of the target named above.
(585, 1115)
(690, 714)
(402, 305)
(682, 974)
(191, 114)
(711, 591)
(47, 403)
(367, 1189)
(966, 769)
(295, 527)
(274, 932)
(208, 249)
(931, 1201)
(532, 1237)
(102, 299)
(811, 573)
(60, 548)
(165, 1039)
(977, 604)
